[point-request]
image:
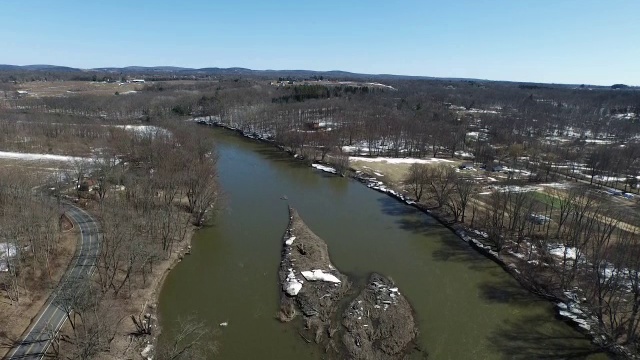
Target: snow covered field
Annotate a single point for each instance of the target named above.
(399, 160)
(143, 129)
(39, 157)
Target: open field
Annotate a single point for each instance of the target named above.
(547, 196)
(69, 88)
(36, 169)
(392, 172)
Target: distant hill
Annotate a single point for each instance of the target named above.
(213, 71)
(171, 71)
(47, 68)
(143, 69)
(619, 86)
(9, 67)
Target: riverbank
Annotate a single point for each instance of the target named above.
(141, 304)
(144, 304)
(147, 302)
(567, 303)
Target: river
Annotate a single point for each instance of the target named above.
(467, 307)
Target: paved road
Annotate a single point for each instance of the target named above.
(52, 316)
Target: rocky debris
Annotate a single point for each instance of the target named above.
(146, 352)
(310, 284)
(379, 322)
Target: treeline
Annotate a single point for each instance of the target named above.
(301, 93)
(494, 121)
(161, 184)
(576, 248)
(569, 245)
(72, 74)
(147, 189)
(540, 128)
(56, 133)
(30, 236)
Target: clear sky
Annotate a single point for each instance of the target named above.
(562, 41)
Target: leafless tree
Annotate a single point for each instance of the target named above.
(201, 187)
(441, 182)
(496, 219)
(105, 169)
(417, 179)
(191, 339)
(80, 169)
(461, 195)
(340, 162)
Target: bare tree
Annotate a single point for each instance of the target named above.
(441, 183)
(417, 179)
(201, 187)
(191, 339)
(461, 195)
(80, 168)
(75, 296)
(340, 162)
(105, 169)
(496, 219)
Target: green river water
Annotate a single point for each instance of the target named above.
(467, 307)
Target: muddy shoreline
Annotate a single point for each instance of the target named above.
(147, 306)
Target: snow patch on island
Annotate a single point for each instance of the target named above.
(35, 157)
(320, 275)
(147, 351)
(293, 285)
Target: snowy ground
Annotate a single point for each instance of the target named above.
(560, 251)
(399, 160)
(39, 157)
(464, 155)
(557, 185)
(143, 129)
(324, 168)
(516, 188)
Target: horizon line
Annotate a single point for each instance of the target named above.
(425, 77)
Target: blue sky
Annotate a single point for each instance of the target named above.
(562, 41)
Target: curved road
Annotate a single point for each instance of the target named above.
(37, 338)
